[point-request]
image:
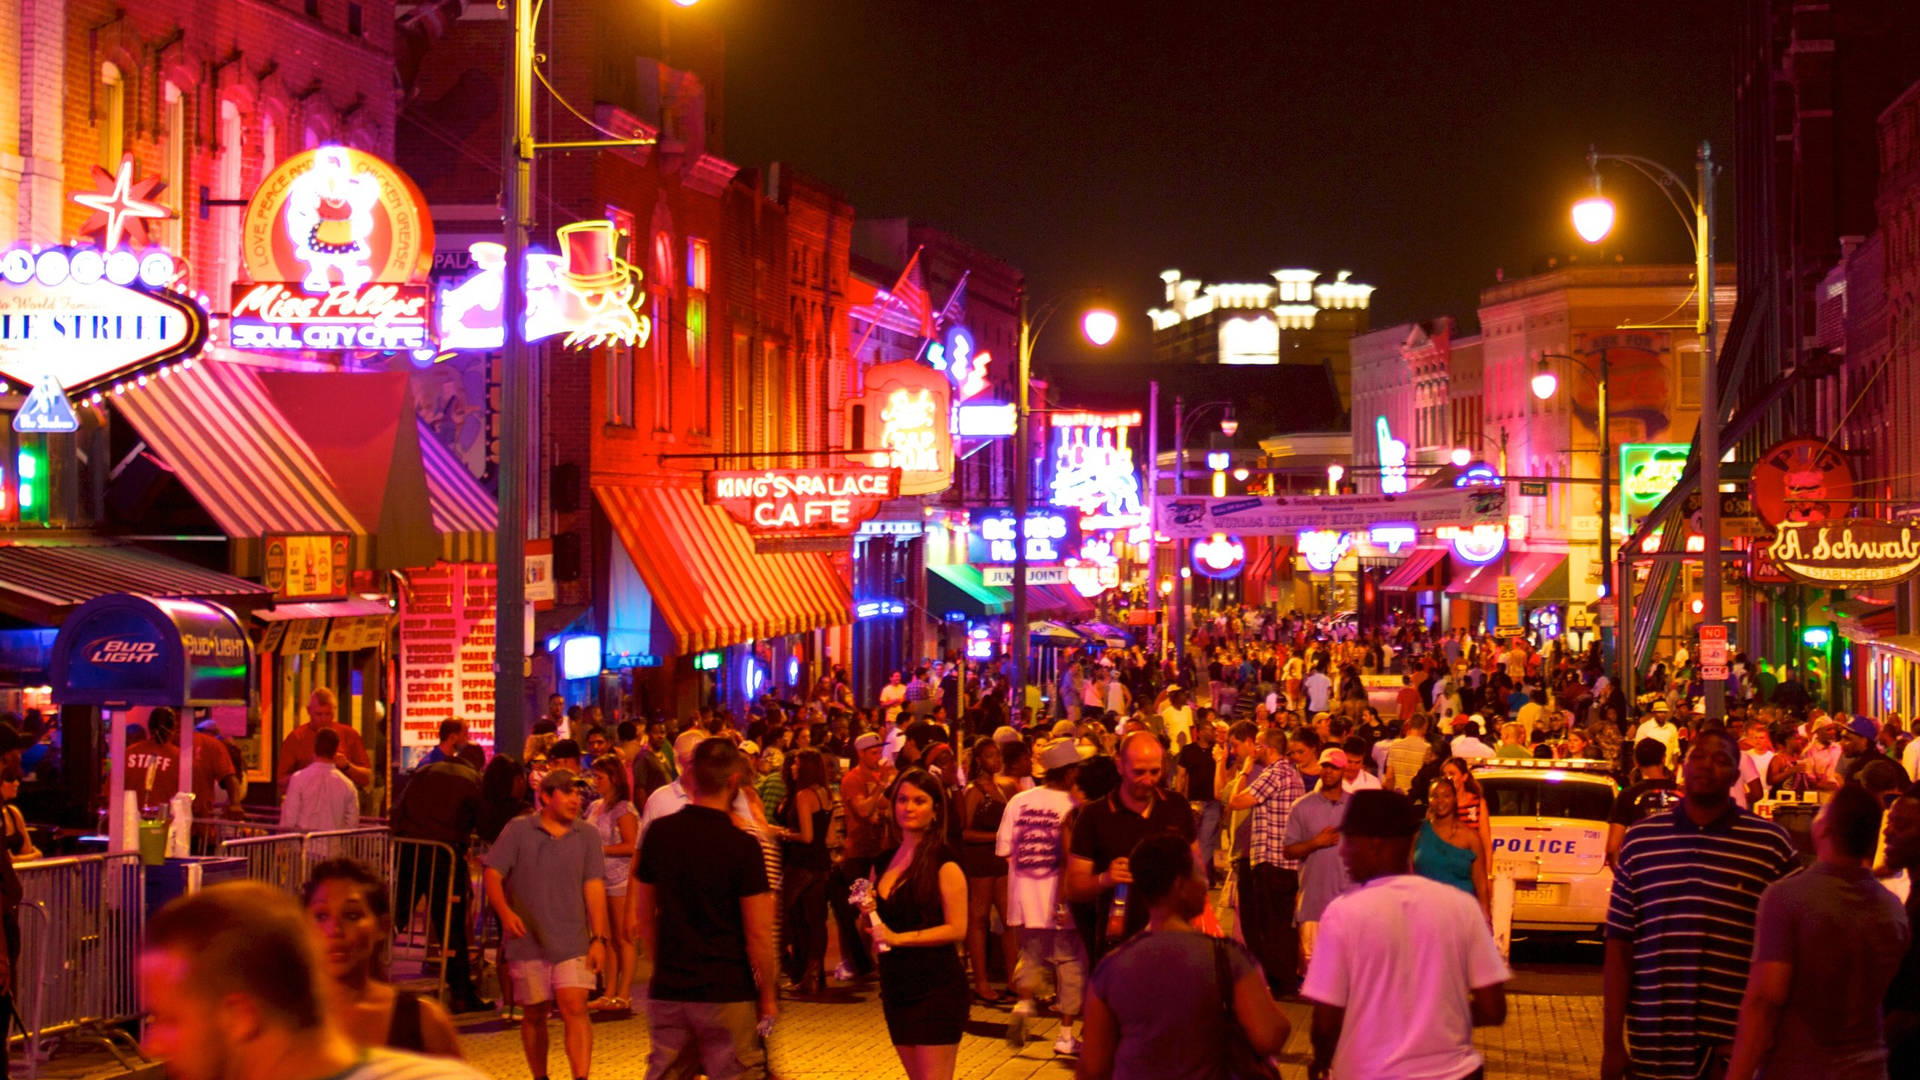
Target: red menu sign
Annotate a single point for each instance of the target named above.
(446, 652)
(802, 502)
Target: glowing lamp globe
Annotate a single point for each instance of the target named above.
(1100, 325)
(1229, 426)
(1461, 455)
(1545, 383)
(1593, 218)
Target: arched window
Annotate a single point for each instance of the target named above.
(660, 292)
(227, 181)
(113, 116)
(173, 167)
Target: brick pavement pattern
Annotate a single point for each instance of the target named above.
(1544, 1037)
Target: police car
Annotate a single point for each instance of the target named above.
(1549, 823)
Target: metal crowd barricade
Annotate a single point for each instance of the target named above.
(364, 845)
(279, 859)
(90, 912)
(423, 878)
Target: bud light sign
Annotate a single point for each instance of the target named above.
(124, 650)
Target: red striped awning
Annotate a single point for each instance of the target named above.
(709, 584)
(217, 428)
(1415, 573)
(1049, 601)
(42, 581)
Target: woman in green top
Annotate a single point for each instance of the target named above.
(1449, 850)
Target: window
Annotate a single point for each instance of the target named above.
(173, 169)
(621, 358)
(353, 21)
(737, 396)
(313, 9)
(697, 285)
(770, 390)
(113, 117)
(662, 297)
(227, 185)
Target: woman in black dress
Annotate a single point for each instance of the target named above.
(919, 917)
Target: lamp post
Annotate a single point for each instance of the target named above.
(1593, 219)
(1182, 573)
(516, 394)
(1099, 325)
(1545, 384)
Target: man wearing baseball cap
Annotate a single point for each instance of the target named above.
(863, 791)
(1313, 837)
(546, 880)
(1859, 744)
(1660, 726)
(1405, 967)
(1033, 841)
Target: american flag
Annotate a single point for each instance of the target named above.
(908, 295)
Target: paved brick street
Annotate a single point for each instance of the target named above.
(1544, 1037)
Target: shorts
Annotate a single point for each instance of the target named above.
(536, 981)
(1058, 951)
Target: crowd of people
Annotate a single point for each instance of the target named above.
(1154, 852)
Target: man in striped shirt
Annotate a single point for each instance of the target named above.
(1686, 890)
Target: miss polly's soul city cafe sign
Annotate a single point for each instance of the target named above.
(1860, 551)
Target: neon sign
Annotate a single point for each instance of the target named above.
(878, 609)
(1093, 467)
(985, 421)
(905, 422)
(979, 643)
(1221, 557)
(81, 315)
(122, 207)
(802, 502)
(1393, 459)
(589, 293)
(1855, 552)
(1484, 542)
(276, 315)
(955, 356)
(1323, 548)
(1393, 537)
(1048, 534)
(1647, 472)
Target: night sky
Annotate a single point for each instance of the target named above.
(1421, 145)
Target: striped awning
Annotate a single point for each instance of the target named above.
(217, 428)
(267, 451)
(707, 581)
(41, 581)
(1415, 573)
(959, 587)
(464, 514)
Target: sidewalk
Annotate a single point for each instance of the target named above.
(1544, 1037)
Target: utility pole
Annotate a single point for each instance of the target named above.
(509, 630)
(1709, 416)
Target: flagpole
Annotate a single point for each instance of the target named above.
(892, 294)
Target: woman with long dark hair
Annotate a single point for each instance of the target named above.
(347, 904)
(982, 804)
(613, 816)
(503, 796)
(1470, 801)
(919, 909)
(804, 818)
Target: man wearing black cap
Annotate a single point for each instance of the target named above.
(1399, 953)
(546, 880)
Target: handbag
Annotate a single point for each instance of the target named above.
(1242, 1061)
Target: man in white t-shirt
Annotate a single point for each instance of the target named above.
(1176, 716)
(1033, 841)
(1318, 688)
(1404, 967)
(1660, 726)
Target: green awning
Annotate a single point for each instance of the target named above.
(959, 588)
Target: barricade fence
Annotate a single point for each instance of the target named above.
(76, 972)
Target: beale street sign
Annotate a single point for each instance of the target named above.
(84, 315)
(825, 501)
(1846, 553)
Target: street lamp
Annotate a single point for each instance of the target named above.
(1177, 619)
(1545, 382)
(1593, 219)
(1099, 325)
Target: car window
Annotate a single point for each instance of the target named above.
(1529, 797)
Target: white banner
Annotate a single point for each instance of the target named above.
(1002, 576)
(1190, 517)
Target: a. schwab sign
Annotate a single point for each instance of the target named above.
(1197, 517)
(1846, 553)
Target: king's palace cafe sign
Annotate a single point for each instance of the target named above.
(1847, 553)
(818, 502)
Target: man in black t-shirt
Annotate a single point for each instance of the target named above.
(1107, 831)
(1652, 793)
(1198, 765)
(704, 913)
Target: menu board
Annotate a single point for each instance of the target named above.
(446, 652)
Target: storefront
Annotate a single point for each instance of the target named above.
(1540, 584)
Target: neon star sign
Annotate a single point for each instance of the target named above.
(122, 207)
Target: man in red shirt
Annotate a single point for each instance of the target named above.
(153, 765)
(1410, 702)
(863, 791)
(296, 752)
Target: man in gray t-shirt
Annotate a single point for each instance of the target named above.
(1827, 944)
(545, 879)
